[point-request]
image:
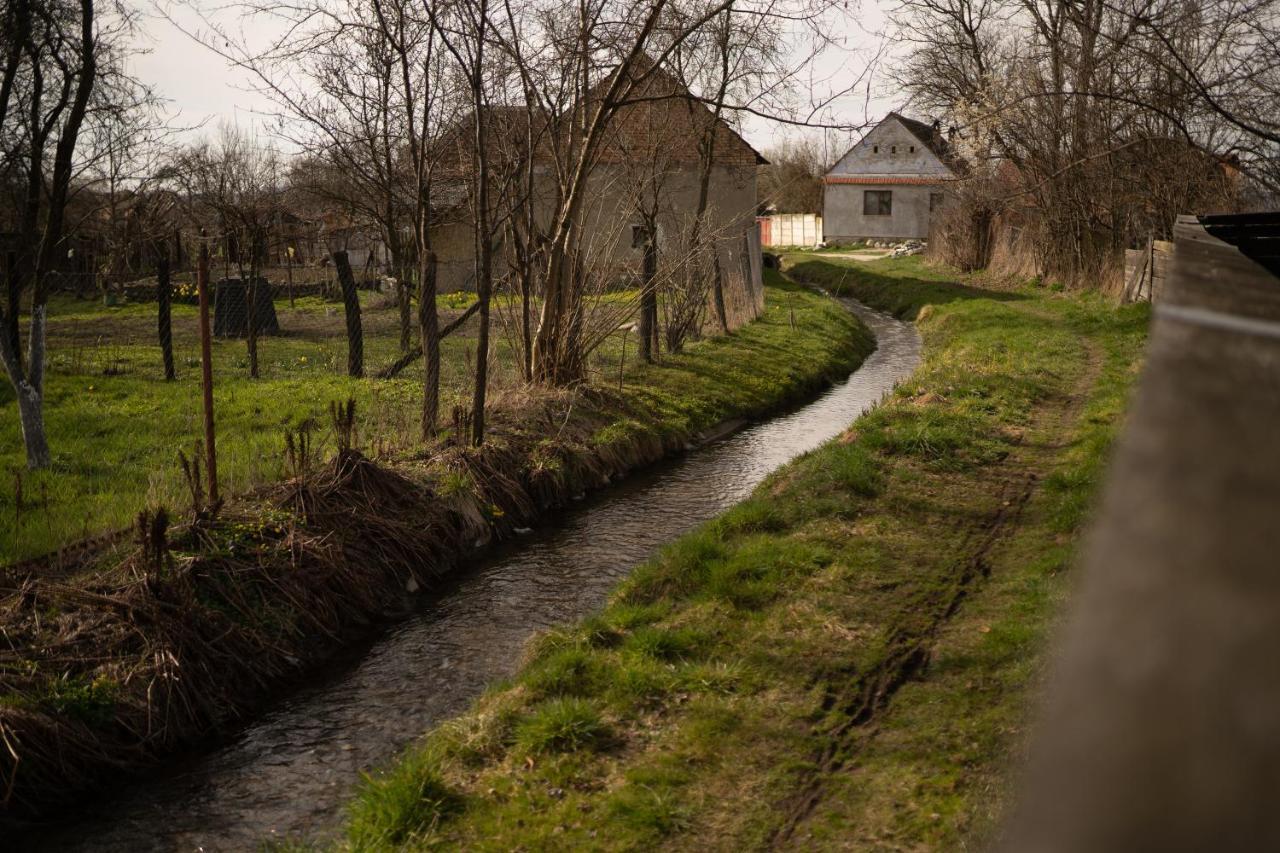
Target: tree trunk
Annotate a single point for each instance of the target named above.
(351, 306)
(484, 254)
(31, 416)
(164, 293)
(526, 330)
(717, 289)
(482, 373)
(649, 299)
(429, 321)
(29, 392)
(13, 311)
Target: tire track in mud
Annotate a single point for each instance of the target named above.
(858, 699)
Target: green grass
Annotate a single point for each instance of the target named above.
(726, 666)
(115, 427)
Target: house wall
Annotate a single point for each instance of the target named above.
(890, 157)
(843, 218)
(887, 149)
(606, 234)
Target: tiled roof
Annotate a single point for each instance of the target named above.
(931, 136)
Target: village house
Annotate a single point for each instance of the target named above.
(890, 184)
(649, 161)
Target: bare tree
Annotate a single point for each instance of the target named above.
(61, 66)
(465, 29)
(234, 184)
(1089, 125)
(361, 90)
(792, 182)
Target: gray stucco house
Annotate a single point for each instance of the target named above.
(889, 183)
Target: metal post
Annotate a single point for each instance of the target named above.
(206, 370)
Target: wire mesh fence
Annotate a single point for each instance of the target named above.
(123, 391)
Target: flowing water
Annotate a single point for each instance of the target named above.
(289, 772)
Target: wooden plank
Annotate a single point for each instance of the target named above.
(1133, 287)
(1210, 273)
(1160, 731)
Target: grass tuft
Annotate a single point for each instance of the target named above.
(408, 803)
(561, 725)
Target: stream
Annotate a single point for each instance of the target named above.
(289, 772)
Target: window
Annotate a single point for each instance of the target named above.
(936, 200)
(638, 233)
(893, 149)
(912, 149)
(877, 203)
(875, 149)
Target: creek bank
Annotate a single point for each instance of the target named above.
(197, 626)
(843, 659)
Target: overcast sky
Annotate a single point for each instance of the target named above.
(202, 89)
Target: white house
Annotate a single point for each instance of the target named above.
(889, 184)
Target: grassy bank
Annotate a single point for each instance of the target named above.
(196, 620)
(843, 660)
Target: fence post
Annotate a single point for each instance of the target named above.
(206, 369)
(164, 320)
(351, 305)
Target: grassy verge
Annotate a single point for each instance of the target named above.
(844, 659)
(143, 647)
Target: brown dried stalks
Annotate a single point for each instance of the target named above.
(108, 669)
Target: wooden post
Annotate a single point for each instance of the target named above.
(648, 327)
(351, 305)
(206, 370)
(288, 258)
(164, 317)
(1133, 288)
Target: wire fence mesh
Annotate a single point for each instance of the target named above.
(123, 392)
(123, 389)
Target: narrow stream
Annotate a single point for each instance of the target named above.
(289, 772)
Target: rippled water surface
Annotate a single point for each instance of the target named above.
(291, 770)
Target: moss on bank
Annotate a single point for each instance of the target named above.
(155, 643)
(845, 659)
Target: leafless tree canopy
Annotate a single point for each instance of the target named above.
(792, 182)
(65, 112)
(1091, 125)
